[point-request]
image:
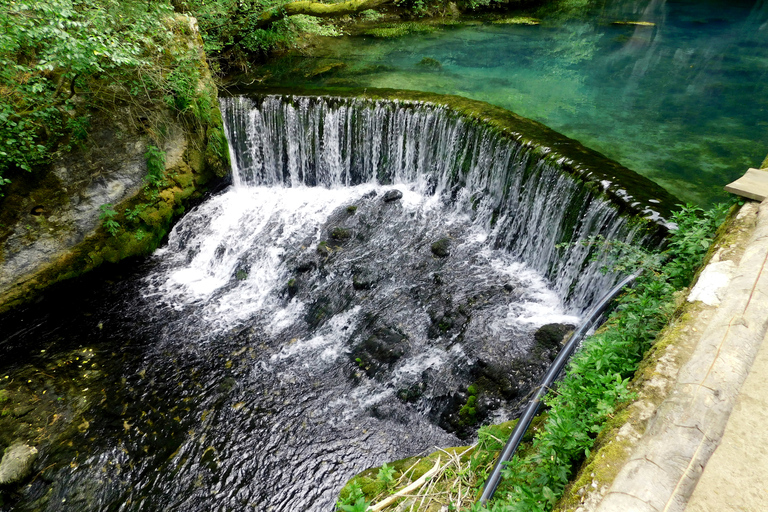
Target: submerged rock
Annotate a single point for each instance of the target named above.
(392, 195)
(17, 463)
(430, 63)
(364, 279)
(380, 350)
(551, 336)
(440, 248)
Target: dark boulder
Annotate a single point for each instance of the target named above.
(379, 351)
(551, 336)
(392, 195)
(364, 279)
(440, 248)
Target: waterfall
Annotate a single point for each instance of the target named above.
(522, 198)
(382, 278)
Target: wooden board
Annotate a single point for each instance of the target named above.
(753, 185)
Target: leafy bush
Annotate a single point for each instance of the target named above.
(61, 60)
(108, 215)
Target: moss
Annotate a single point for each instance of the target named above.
(430, 63)
(217, 152)
(517, 20)
(341, 234)
(393, 30)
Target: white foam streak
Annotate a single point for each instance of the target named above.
(229, 251)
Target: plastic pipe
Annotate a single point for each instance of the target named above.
(554, 370)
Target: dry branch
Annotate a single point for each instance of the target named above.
(402, 492)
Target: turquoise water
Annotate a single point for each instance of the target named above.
(682, 101)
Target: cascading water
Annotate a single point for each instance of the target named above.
(325, 314)
(526, 203)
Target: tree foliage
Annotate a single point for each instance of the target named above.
(60, 60)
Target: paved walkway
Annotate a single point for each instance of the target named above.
(736, 475)
(706, 445)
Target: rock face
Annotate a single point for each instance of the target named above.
(52, 221)
(16, 464)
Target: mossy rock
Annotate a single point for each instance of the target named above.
(430, 63)
(341, 234)
(441, 248)
(517, 20)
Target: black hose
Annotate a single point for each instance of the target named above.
(554, 370)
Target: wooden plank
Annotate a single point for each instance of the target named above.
(753, 185)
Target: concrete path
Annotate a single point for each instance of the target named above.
(736, 475)
(706, 446)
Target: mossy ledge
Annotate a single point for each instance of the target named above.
(630, 191)
(52, 225)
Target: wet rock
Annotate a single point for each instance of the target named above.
(241, 274)
(447, 322)
(22, 410)
(392, 195)
(306, 266)
(495, 380)
(292, 288)
(325, 307)
(364, 279)
(412, 393)
(380, 350)
(509, 287)
(17, 463)
(323, 249)
(551, 336)
(440, 248)
(548, 341)
(341, 234)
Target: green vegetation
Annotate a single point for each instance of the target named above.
(155, 170)
(108, 215)
(597, 376)
(595, 385)
(399, 29)
(62, 61)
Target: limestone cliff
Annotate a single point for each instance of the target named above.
(52, 222)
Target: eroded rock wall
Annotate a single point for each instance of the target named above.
(52, 222)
